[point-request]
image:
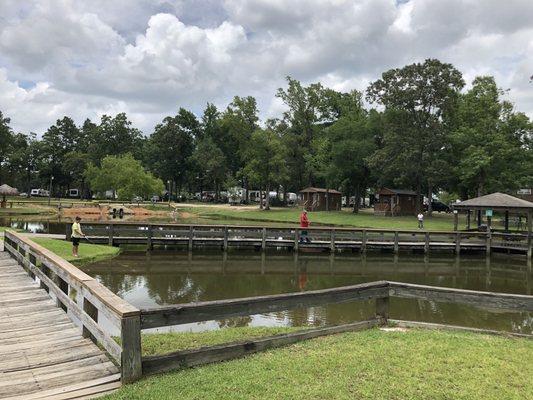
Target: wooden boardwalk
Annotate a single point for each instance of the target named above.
(42, 352)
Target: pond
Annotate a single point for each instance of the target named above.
(172, 277)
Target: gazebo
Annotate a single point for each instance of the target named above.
(499, 202)
(6, 190)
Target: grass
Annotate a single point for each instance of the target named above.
(373, 364)
(364, 219)
(25, 211)
(88, 252)
(162, 343)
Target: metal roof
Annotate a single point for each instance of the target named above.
(495, 200)
(399, 191)
(321, 190)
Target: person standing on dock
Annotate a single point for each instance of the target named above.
(304, 223)
(420, 218)
(77, 234)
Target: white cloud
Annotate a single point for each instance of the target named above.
(149, 57)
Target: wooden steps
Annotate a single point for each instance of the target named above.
(42, 352)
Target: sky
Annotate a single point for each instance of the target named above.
(149, 57)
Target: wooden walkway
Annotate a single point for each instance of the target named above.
(42, 352)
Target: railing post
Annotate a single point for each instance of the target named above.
(191, 237)
(426, 242)
(332, 240)
(111, 232)
(130, 335)
(396, 244)
(488, 242)
(68, 233)
(382, 309)
(457, 243)
(263, 239)
(225, 238)
(296, 238)
(149, 237)
(363, 242)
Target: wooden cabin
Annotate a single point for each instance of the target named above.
(396, 202)
(318, 199)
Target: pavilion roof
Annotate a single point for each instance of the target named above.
(6, 190)
(496, 200)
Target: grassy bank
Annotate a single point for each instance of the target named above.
(364, 219)
(374, 364)
(26, 211)
(88, 252)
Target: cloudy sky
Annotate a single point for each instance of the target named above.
(149, 57)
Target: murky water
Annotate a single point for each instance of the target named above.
(169, 277)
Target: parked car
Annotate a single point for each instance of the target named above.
(438, 206)
(24, 194)
(155, 199)
(137, 199)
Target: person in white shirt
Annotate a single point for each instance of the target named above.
(420, 218)
(77, 234)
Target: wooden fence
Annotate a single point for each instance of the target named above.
(95, 309)
(320, 238)
(381, 292)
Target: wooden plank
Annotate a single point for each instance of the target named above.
(205, 311)
(56, 379)
(26, 340)
(87, 393)
(470, 297)
(41, 352)
(31, 331)
(69, 388)
(433, 326)
(28, 360)
(131, 349)
(190, 358)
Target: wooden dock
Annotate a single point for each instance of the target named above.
(43, 353)
(320, 239)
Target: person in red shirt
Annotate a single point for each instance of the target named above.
(304, 223)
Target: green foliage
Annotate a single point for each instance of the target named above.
(125, 176)
(265, 160)
(419, 101)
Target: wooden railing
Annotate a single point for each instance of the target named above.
(98, 312)
(381, 292)
(290, 237)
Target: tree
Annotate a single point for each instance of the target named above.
(419, 101)
(210, 164)
(6, 142)
(168, 150)
(125, 176)
(239, 121)
(113, 136)
(492, 144)
(350, 142)
(265, 160)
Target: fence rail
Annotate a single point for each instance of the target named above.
(380, 291)
(89, 304)
(315, 238)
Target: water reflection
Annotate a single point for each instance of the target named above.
(164, 277)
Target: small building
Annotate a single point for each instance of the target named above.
(396, 202)
(318, 199)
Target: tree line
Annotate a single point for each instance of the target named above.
(417, 127)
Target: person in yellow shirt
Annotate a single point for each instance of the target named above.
(77, 234)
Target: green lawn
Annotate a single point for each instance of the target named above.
(88, 252)
(364, 219)
(162, 343)
(373, 364)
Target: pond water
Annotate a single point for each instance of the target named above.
(172, 277)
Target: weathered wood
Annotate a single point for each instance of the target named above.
(457, 243)
(426, 242)
(263, 239)
(332, 240)
(296, 239)
(396, 241)
(470, 297)
(225, 238)
(131, 348)
(190, 358)
(382, 308)
(210, 310)
(444, 327)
